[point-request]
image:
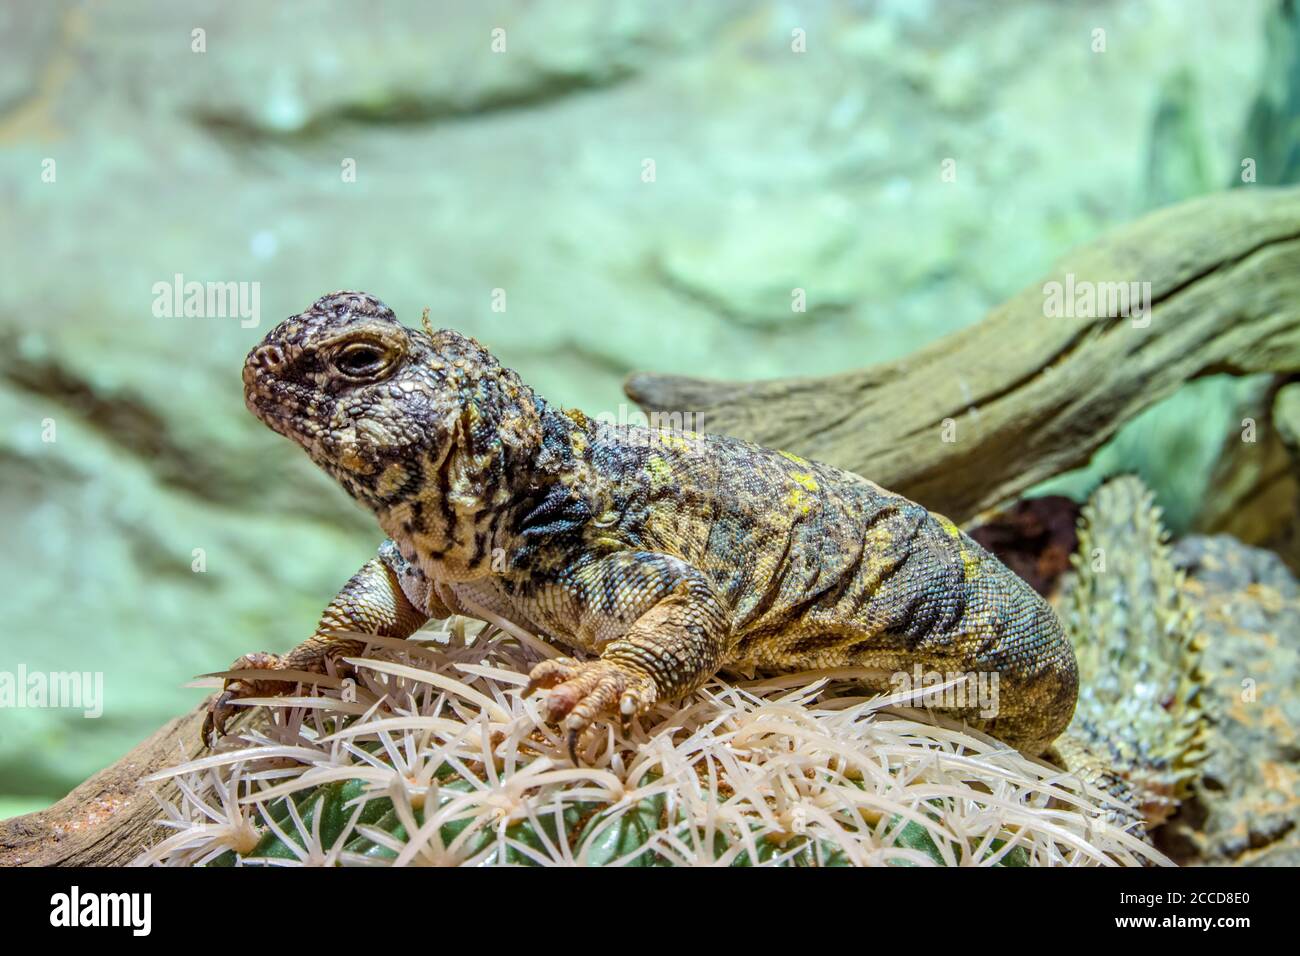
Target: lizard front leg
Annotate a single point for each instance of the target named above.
(387, 596)
(661, 630)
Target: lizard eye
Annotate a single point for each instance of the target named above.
(362, 360)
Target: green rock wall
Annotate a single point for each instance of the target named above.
(641, 185)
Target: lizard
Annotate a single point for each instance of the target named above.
(665, 555)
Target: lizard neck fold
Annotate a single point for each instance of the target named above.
(505, 448)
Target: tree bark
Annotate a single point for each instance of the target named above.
(110, 819)
(1256, 480)
(978, 417)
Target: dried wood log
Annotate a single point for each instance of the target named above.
(109, 819)
(981, 415)
(1256, 478)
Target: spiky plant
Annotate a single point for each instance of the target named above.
(435, 758)
(1136, 638)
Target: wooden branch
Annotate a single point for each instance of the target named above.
(110, 819)
(1025, 395)
(1257, 482)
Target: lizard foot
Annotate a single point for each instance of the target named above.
(584, 691)
(214, 724)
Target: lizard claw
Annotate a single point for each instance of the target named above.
(221, 710)
(583, 692)
(214, 723)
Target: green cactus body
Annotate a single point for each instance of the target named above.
(1138, 725)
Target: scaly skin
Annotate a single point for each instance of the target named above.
(668, 554)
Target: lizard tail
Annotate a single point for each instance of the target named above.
(1138, 728)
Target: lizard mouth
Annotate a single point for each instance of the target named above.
(256, 396)
(262, 399)
(262, 410)
(272, 415)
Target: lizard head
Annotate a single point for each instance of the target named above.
(394, 414)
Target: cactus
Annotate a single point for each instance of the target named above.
(436, 759)
(1136, 637)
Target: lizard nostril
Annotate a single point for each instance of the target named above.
(268, 357)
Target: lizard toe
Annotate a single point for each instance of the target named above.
(550, 673)
(223, 708)
(598, 689)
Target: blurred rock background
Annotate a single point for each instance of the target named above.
(525, 171)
